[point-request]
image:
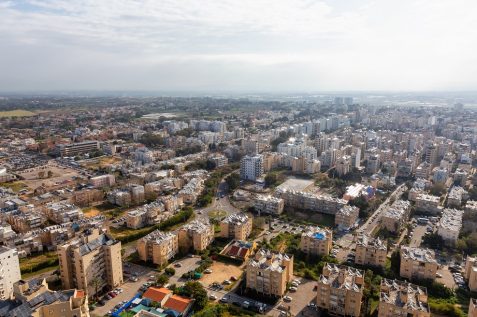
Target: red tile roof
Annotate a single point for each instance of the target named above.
(177, 303)
(156, 294)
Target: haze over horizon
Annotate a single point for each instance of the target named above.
(248, 45)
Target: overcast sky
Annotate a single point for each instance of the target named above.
(238, 45)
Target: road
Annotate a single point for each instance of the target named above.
(374, 219)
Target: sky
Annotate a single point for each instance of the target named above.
(238, 45)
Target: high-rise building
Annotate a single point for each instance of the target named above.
(251, 167)
(91, 262)
(9, 271)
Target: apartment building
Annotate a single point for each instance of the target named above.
(218, 160)
(347, 216)
(398, 298)
(310, 201)
(316, 241)
(418, 263)
(158, 247)
(470, 273)
(251, 167)
(370, 251)
(9, 271)
(87, 197)
(396, 216)
(472, 308)
(455, 196)
(236, 226)
(340, 290)
(94, 257)
(24, 222)
(143, 216)
(428, 204)
(75, 149)
(268, 273)
(269, 205)
(172, 203)
(191, 191)
(34, 298)
(62, 212)
(195, 235)
(103, 181)
(450, 224)
(471, 207)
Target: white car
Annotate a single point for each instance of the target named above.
(208, 271)
(293, 289)
(213, 297)
(287, 298)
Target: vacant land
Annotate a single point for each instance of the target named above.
(91, 212)
(16, 113)
(39, 262)
(220, 272)
(101, 162)
(15, 186)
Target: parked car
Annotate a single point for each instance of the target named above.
(227, 282)
(293, 289)
(213, 297)
(224, 299)
(287, 298)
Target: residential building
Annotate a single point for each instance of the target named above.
(340, 290)
(236, 226)
(91, 262)
(455, 197)
(310, 201)
(75, 149)
(9, 271)
(472, 308)
(268, 273)
(370, 251)
(143, 216)
(269, 205)
(470, 273)
(396, 216)
(107, 180)
(398, 298)
(158, 247)
(449, 225)
(471, 206)
(316, 241)
(62, 212)
(195, 235)
(428, 204)
(251, 167)
(418, 263)
(347, 216)
(218, 160)
(239, 250)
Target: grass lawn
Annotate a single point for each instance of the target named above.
(217, 214)
(16, 113)
(127, 314)
(15, 186)
(39, 262)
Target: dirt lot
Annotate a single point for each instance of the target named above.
(220, 272)
(91, 212)
(102, 162)
(57, 175)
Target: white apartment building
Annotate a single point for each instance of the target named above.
(251, 167)
(269, 205)
(450, 224)
(396, 215)
(9, 271)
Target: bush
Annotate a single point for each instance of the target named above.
(170, 271)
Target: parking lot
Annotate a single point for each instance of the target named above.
(220, 272)
(183, 266)
(129, 289)
(298, 306)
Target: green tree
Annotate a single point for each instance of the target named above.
(233, 181)
(161, 279)
(170, 271)
(196, 291)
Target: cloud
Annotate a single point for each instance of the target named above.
(229, 44)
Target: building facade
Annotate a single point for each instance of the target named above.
(158, 247)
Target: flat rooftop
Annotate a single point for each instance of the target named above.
(296, 184)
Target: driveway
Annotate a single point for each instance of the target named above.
(187, 264)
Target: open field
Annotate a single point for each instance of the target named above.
(101, 162)
(91, 212)
(49, 174)
(15, 186)
(16, 113)
(39, 262)
(220, 272)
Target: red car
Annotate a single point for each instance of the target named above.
(112, 294)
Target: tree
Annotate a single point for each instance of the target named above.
(41, 174)
(96, 283)
(196, 291)
(233, 181)
(438, 189)
(270, 179)
(50, 174)
(170, 271)
(161, 279)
